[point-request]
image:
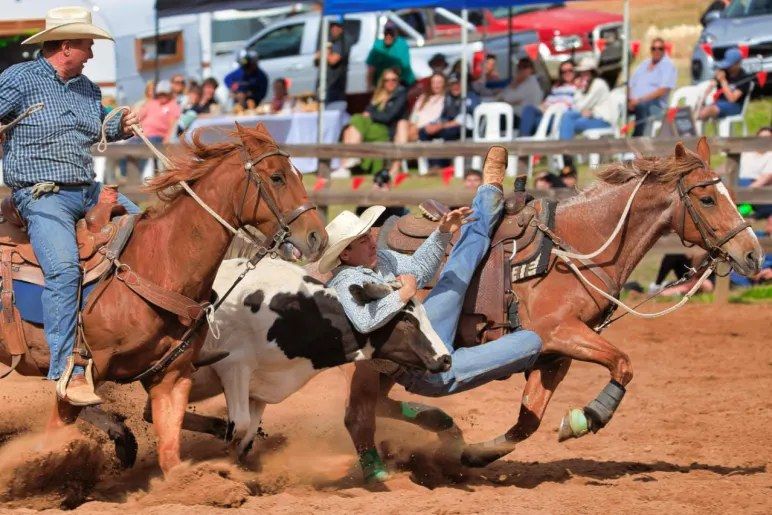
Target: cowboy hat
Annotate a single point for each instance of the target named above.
(342, 230)
(68, 23)
(587, 64)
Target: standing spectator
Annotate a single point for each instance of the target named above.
(592, 109)
(390, 52)
(715, 6)
(438, 63)
(338, 49)
(524, 89)
(208, 103)
(733, 84)
(178, 88)
(563, 92)
(248, 81)
(650, 87)
(378, 122)
(472, 179)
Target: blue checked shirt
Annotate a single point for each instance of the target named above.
(423, 265)
(54, 143)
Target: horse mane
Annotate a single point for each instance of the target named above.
(198, 159)
(662, 169)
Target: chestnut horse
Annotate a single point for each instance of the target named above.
(679, 193)
(179, 246)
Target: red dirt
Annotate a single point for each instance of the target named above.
(692, 435)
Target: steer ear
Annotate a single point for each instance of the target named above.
(703, 150)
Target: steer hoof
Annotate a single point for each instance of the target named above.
(574, 425)
(125, 446)
(483, 454)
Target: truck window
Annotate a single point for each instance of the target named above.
(352, 28)
(282, 42)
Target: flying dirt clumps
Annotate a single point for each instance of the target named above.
(55, 471)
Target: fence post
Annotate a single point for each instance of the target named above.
(721, 294)
(324, 173)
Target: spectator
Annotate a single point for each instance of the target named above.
(569, 176)
(546, 181)
(208, 103)
(178, 88)
(281, 101)
(754, 165)
(382, 182)
(717, 5)
(650, 87)
(338, 48)
(438, 63)
(490, 71)
(680, 264)
(472, 179)
(524, 89)
(427, 109)
(378, 122)
(148, 95)
(451, 120)
(248, 81)
(563, 92)
(189, 109)
(732, 83)
(765, 274)
(391, 52)
(592, 108)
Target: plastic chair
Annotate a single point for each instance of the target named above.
(493, 122)
(687, 96)
(548, 129)
(725, 123)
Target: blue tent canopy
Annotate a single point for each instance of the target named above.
(353, 6)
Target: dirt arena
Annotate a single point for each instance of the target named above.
(692, 435)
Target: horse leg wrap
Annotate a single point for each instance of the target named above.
(602, 408)
(373, 468)
(427, 417)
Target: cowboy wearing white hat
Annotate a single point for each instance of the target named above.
(354, 259)
(47, 164)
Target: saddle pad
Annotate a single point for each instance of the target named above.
(29, 303)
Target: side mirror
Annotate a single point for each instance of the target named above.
(712, 16)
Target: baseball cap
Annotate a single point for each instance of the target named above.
(731, 57)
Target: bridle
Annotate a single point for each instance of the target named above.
(283, 219)
(711, 241)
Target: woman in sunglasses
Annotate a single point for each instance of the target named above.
(650, 87)
(563, 92)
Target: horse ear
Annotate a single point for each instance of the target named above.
(680, 151)
(262, 130)
(703, 150)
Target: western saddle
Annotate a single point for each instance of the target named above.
(519, 250)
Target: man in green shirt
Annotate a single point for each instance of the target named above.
(390, 52)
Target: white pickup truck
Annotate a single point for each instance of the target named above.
(287, 47)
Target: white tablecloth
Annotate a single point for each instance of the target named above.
(294, 128)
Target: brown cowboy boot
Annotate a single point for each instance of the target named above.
(80, 392)
(495, 165)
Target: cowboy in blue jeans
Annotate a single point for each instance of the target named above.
(353, 258)
(47, 164)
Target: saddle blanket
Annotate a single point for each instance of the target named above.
(28, 300)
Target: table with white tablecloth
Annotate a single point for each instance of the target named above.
(292, 128)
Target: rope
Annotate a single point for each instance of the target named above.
(214, 324)
(102, 146)
(630, 310)
(34, 108)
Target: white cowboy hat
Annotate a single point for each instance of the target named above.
(587, 64)
(342, 230)
(68, 23)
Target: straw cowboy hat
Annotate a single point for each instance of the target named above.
(68, 23)
(345, 228)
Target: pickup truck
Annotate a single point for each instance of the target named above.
(563, 32)
(287, 47)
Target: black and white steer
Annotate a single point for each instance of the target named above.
(281, 327)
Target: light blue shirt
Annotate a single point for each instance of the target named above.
(423, 265)
(646, 80)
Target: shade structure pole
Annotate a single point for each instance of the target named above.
(322, 94)
(626, 50)
(464, 70)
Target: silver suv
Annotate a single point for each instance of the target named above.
(747, 22)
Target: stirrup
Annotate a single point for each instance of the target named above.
(64, 381)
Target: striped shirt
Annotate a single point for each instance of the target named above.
(423, 265)
(54, 143)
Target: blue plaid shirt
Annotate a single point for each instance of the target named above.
(54, 143)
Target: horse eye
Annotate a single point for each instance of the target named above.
(277, 179)
(707, 201)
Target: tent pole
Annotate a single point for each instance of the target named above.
(324, 27)
(626, 51)
(509, 46)
(464, 71)
(157, 71)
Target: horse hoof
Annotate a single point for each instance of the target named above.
(573, 425)
(480, 455)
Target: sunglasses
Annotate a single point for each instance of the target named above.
(390, 79)
(567, 70)
(657, 48)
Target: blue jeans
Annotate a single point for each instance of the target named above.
(727, 108)
(645, 113)
(472, 366)
(51, 222)
(530, 118)
(449, 134)
(573, 123)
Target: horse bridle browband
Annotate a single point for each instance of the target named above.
(709, 237)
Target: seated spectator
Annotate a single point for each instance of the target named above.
(547, 181)
(490, 71)
(733, 84)
(391, 52)
(680, 264)
(248, 81)
(650, 87)
(523, 90)
(451, 120)
(281, 101)
(569, 176)
(472, 179)
(754, 165)
(189, 109)
(563, 92)
(438, 63)
(382, 182)
(490, 82)
(765, 274)
(592, 107)
(208, 103)
(377, 123)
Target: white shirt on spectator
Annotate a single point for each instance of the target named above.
(645, 80)
(755, 164)
(528, 92)
(597, 100)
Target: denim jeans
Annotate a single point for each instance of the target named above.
(472, 366)
(573, 123)
(449, 134)
(51, 222)
(645, 113)
(530, 118)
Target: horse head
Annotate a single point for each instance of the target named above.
(272, 197)
(705, 215)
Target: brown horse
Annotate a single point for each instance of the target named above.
(179, 246)
(680, 194)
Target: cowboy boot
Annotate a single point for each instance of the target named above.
(495, 165)
(77, 390)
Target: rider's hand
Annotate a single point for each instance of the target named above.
(409, 286)
(128, 119)
(453, 220)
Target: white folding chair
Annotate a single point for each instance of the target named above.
(548, 129)
(684, 96)
(725, 123)
(493, 123)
